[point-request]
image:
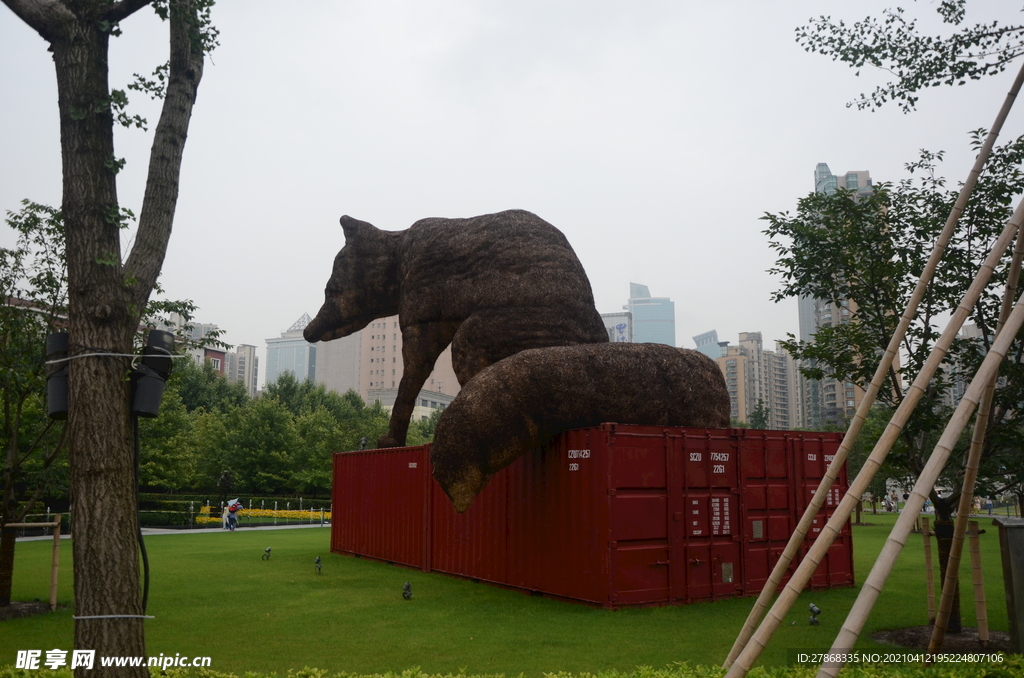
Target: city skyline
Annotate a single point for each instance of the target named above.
(603, 119)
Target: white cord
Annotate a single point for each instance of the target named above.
(116, 616)
(113, 355)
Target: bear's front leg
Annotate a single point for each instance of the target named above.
(421, 345)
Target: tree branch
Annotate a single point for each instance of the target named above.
(46, 17)
(157, 215)
(124, 9)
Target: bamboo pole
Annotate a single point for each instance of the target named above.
(870, 394)
(951, 576)
(980, 605)
(775, 615)
(56, 553)
(929, 570)
(872, 587)
(55, 566)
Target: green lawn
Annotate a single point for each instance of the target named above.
(213, 595)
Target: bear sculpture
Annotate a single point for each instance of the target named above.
(490, 286)
(525, 400)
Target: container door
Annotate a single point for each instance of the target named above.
(705, 515)
(639, 516)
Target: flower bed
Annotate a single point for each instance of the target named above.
(247, 514)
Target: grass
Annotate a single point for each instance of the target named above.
(212, 595)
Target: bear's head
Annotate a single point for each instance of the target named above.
(363, 285)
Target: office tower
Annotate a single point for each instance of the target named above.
(291, 353)
(654, 318)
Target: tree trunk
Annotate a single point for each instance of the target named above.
(106, 297)
(7, 541)
(944, 540)
(106, 575)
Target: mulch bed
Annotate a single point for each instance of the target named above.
(917, 637)
(16, 609)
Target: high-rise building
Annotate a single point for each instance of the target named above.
(654, 318)
(619, 326)
(754, 375)
(338, 363)
(243, 367)
(381, 369)
(381, 365)
(828, 401)
(291, 353)
(708, 344)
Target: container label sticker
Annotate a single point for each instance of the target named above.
(413, 464)
(720, 519)
(577, 454)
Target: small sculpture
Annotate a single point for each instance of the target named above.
(266, 554)
(318, 565)
(490, 286)
(407, 591)
(525, 400)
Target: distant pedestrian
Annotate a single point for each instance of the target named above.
(895, 501)
(977, 507)
(224, 517)
(233, 510)
(989, 505)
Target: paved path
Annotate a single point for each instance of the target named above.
(146, 531)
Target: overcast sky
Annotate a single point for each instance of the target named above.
(653, 134)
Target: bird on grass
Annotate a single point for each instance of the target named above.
(407, 591)
(266, 553)
(318, 565)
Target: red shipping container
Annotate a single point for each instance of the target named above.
(611, 515)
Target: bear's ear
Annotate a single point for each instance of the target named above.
(354, 228)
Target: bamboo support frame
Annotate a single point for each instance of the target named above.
(853, 430)
(980, 604)
(929, 568)
(981, 422)
(773, 619)
(872, 587)
(55, 562)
